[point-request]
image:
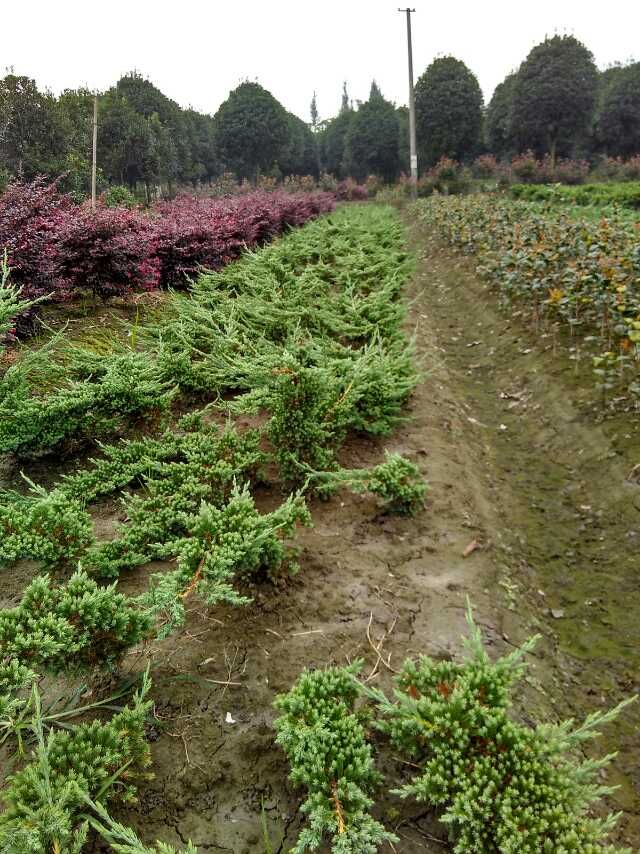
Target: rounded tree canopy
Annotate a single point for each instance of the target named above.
(618, 121)
(252, 130)
(448, 111)
(554, 96)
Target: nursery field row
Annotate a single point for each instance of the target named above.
(624, 194)
(305, 339)
(58, 249)
(570, 274)
(305, 334)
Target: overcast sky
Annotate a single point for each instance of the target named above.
(196, 51)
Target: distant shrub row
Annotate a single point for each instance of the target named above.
(625, 194)
(453, 178)
(58, 249)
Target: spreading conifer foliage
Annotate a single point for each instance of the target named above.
(324, 738)
(177, 473)
(51, 528)
(44, 802)
(123, 840)
(397, 481)
(503, 786)
(72, 626)
(224, 545)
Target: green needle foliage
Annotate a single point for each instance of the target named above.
(51, 528)
(44, 802)
(123, 840)
(125, 385)
(224, 545)
(11, 305)
(71, 626)
(299, 428)
(325, 741)
(397, 481)
(503, 786)
(178, 473)
(331, 289)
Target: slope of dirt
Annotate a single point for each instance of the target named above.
(512, 464)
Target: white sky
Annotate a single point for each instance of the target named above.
(195, 51)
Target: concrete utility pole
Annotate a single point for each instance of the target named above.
(95, 152)
(412, 111)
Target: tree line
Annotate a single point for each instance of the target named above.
(145, 138)
(556, 103)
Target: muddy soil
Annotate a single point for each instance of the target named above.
(516, 461)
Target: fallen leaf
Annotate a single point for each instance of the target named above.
(473, 545)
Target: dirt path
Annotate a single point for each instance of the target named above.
(512, 464)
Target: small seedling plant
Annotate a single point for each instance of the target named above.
(397, 481)
(502, 786)
(45, 800)
(324, 737)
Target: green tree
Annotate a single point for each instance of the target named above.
(32, 139)
(554, 96)
(299, 156)
(448, 111)
(252, 130)
(372, 139)
(618, 120)
(498, 123)
(332, 142)
(404, 154)
(75, 112)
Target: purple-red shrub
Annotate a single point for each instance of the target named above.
(191, 232)
(32, 216)
(570, 171)
(349, 191)
(485, 166)
(527, 169)
(62, 249)
(631, 168)
(109, 251)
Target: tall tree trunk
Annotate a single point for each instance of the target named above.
(552, 152)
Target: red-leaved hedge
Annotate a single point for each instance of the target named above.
(60, 249)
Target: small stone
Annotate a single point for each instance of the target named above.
(557, 613)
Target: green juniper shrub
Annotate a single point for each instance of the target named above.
(324, 738)
(50, 528)
(72, 626)
(224, 545)
(45, 800)
(397, 481)
(126, 385)
(11, 303)
(16, 682)
(503, 786)
(178, 474)
(123, 840)
(300, 429)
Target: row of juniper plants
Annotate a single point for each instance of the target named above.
(497, 784)
(306, 336)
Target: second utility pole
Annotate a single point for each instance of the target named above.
(94, 158)
(412, 111)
